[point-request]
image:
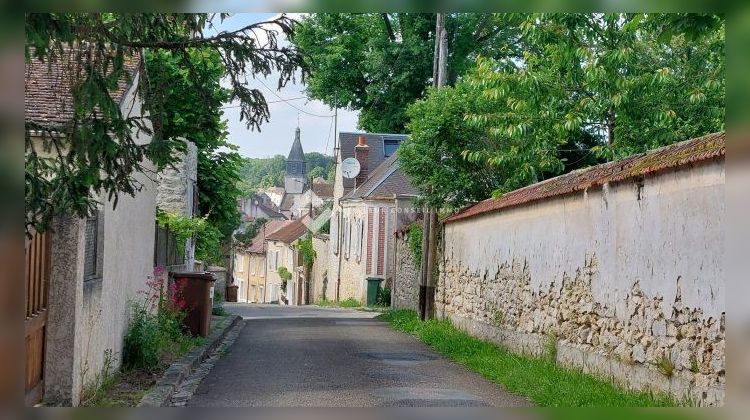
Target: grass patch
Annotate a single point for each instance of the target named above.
(348, 303)
(539, 379)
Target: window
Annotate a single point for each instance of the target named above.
(275, 260)
(94, 247)
(252, 265)
(238, 263)
(390, 144)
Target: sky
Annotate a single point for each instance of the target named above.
(276, 136)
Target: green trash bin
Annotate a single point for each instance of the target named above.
(373, 285)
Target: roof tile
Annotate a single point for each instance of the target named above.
(679, 154)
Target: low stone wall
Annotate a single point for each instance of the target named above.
(626, 281)
(405, 291)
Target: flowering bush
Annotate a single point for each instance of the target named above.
(156, 324)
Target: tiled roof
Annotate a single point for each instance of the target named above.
(387, 180)
(679, 154)
(48, 98)
(376, 156)
(258, 242)
(290, 232)
(323, 189)
(287, 202)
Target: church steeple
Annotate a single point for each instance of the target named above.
(296, 170)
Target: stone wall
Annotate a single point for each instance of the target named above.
(627, 279)
(405, 292)
(321, 283)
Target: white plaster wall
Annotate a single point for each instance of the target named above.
(128, 254)
(675, 231)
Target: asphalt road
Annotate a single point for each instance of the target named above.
(323, 357)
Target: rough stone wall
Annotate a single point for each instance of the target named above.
(174, 191)
(405, 291)
(628, 280)
(320, 280)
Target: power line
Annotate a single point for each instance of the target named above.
(268, 102)
(287, 102)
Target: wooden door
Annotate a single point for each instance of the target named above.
(36, 286)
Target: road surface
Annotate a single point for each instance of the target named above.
(324, 357)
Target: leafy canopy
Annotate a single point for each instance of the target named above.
(588, 87)
(95, 154)
(378, 63)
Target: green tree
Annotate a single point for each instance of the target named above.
(97, 153)
(588, 88)
(378, 63)
(189, 105)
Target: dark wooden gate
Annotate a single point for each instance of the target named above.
(36, 285)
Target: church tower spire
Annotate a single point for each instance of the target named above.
(296, 170)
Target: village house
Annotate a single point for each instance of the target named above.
(250, 265)
(83, 272)
(367, 210)
(281, 251)
(259, 205)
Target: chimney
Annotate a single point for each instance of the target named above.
(361, 151)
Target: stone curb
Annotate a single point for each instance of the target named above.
(161, 393)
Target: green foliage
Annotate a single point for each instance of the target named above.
(415, 243)
(143, 341)
(189, 106)
(245, 237)
(379, 63)
(208, 246)
(325, 227)
(551, 346)
(97, 154)
(579, 89)
(350, 303)
(307, 251)
(543, 382)
(384, 297)
(606, 80)
(258, 173)
(207, 237)
(432, 155)
(183, 227)
(285, 275)
(665, 365)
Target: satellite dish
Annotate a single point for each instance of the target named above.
(350, 168)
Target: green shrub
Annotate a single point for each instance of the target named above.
(143, 341)
(384, 297)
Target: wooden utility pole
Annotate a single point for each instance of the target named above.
(430, 223)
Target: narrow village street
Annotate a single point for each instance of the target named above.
(308, 356)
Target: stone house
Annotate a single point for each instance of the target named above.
(366, 212)
(281, 251)
(79, 313)
(250, 265)
(622, 263)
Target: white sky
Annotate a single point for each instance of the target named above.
(276, 136)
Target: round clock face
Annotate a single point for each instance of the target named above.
(350, 167)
